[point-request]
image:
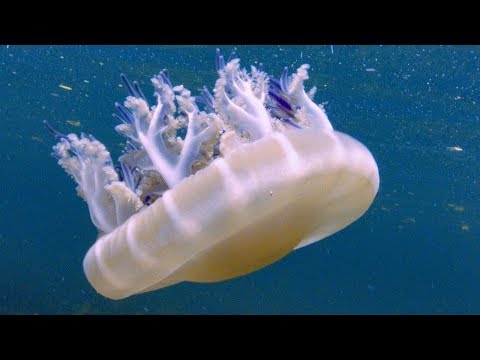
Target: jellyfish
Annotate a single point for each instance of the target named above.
(214, 186)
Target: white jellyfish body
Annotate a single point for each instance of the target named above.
(258, 174)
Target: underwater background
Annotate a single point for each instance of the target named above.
(415, 251)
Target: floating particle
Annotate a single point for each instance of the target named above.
(457, 208)
(37, 138)
(370, 70)
(454, 148)
(409, 220)
(465, 227)
(86, 81)
(54, 94)
(73, 123)
(65, 87)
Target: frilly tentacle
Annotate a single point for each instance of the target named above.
(308, 111)
(240, 100)
(87, 160)
(156, 129)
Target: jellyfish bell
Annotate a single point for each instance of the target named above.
(259, 173)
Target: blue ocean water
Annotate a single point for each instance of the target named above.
(416, 250)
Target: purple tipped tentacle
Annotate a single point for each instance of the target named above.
(209, 108)
(207, 98)
(274, 84)
(54, 132)
(222, 62)
(219, 60)
(291, 123)
(130, 89)
(127, 114)
(133, 88)
(208, 95)
(127, 175)
(118, 117)
(130, 175)
(139, 91)
(56, 155)
(277, 113)
(284, 80)
(164, 77)
(233, 55)
(165, 72)
(281, 101)
(130, 146)
(275, 91)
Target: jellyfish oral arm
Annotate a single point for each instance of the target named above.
(308, 110)
(196, 135)
(109, 201)
(150, 135)
(152, 125)
(244, 108)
